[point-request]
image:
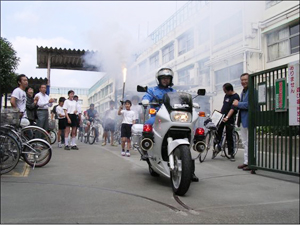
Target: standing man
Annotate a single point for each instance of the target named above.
(31, 106)
(230, 111)
(109, 119)
(18, 97)
(136, 108)
(78, 114)
(43, 102)
(243, 118)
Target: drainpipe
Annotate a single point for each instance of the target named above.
(245, 62)
(48, 73)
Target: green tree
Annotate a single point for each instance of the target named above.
(8, 64)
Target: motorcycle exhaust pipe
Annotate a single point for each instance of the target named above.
(200, 147)
(146, 144)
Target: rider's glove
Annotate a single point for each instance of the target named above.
(145, 102)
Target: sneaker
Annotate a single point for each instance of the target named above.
(195, 178)
(59, 145)
(123, 153)
(127, 153)
(103, 144)
(232, 159)
(67, 147)
(75, 147)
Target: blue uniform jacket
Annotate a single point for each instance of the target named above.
(243, 106)
(158, 92)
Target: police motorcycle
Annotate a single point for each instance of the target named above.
(166, 144)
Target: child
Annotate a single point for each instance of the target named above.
(128, 119)
(61, 119)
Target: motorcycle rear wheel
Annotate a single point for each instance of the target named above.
(181, 176)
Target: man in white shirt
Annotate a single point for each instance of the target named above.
(43, 102)
(18, 96)
(78, 113)
(136, 108)
(109, 119)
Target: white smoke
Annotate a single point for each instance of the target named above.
(114, 48)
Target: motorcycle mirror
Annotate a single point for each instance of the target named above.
(142, 88)
(201, 91)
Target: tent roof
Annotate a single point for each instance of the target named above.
(64, 59)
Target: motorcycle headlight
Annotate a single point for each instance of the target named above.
(179, 116)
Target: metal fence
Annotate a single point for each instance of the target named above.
(273, 144)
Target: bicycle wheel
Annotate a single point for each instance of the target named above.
(92, 136)
(235, 147)
(236, 141)
(53, 136)
(37, 152)
(117, 137)
(208, 141)
(9, 153)
(31, 132)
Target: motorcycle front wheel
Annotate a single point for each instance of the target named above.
(182, 174)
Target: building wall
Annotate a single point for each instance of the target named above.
(213, 46)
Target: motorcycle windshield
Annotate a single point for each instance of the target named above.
(178, 101)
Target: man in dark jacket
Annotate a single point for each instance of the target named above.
(31, 106)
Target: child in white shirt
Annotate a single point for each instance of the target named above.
(129, 118)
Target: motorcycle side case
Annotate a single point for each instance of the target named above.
(136, 134)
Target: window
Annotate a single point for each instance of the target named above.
(203, 31)
(186, 76)
(283, 42)
(228, 28)
(154, 61)
(229, 74)
(203, 73)
(272, 3)
(185, 43)
(168, 53)
(143, 68)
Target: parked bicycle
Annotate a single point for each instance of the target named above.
(15, 143)
(52, 132)
(211, 124)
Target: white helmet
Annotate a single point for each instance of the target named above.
(24, 122)
(164, 72)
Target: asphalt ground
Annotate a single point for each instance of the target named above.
(97, 185)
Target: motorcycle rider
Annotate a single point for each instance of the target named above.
(164, 78)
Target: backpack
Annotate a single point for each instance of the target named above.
(54, 112)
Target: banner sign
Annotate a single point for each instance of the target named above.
(294, 94)
(280, 95)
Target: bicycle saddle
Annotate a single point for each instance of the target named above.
(211, 126)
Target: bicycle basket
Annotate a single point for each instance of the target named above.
(10, 116)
